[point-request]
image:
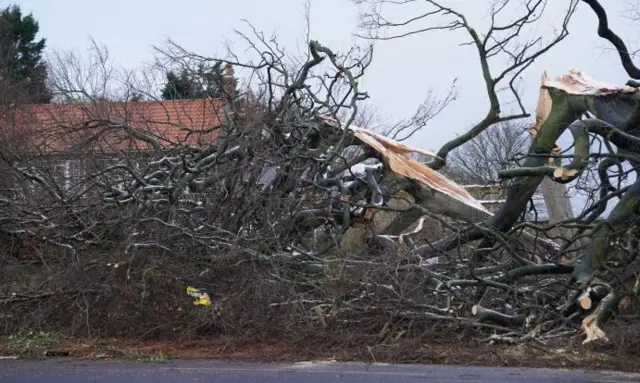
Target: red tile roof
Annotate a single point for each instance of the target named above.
(110, 126)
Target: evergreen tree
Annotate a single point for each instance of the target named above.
(23, 71)
(178, 87)
(203, 82)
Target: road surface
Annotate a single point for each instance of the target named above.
(179, 371)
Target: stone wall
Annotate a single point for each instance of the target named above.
(491, 196)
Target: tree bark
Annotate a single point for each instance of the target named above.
(521, 189)
(625, 212)
(569, 97)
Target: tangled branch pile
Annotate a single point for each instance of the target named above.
(293, 218)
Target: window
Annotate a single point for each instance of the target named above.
(62, 175)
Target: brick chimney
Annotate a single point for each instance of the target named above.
(228, 82)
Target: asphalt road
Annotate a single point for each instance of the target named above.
(176, 371)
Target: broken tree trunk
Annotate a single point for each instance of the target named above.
(430, 189)
(571, 96)
(617, 118)
(555, 196)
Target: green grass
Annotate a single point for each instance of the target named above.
(28, 342)
(157, 358)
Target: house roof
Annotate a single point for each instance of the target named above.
(111, 126)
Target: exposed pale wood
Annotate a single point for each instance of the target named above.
(585, 300)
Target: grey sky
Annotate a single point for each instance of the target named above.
(402, 71)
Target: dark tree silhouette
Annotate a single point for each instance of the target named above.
(205, 81)
(22, 68)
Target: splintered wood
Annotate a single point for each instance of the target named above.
(591, 329)
(564, 173)
(543, 109)
(398, 158)
(577, 83)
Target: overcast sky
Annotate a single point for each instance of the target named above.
(402, 71)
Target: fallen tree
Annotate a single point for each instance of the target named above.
(288, 211)
(611, 114)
